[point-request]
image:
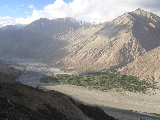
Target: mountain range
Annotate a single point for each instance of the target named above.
(77, 46)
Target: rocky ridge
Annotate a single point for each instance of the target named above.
(51, 27)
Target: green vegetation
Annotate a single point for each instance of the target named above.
(105, 81)
(47, 79)
(155, 114)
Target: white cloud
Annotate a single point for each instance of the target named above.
(7, 20)
(94, 10)
(26, 12)
(90, 10)
(31, 6)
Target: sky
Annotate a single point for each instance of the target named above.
(26, 11)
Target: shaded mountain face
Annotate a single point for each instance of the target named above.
(12, 27)
(28, 45)
(19, 101)
(35, 40)
(113, 44)
(146, 29)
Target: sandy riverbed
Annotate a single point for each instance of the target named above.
(139, 102)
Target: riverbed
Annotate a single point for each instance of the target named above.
(32, 70)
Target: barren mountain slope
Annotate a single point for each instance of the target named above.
(26, 44)
(84, 47)
(34, 41)
(146, 67)
(113, 44)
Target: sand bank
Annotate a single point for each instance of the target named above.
(139, 102)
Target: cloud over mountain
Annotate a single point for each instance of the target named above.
(88, 10)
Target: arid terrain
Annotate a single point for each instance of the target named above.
(129, 45)
(22, 102)
(139, 102)
(121, 105)
(81, 47)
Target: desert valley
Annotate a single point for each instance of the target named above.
(64, 68)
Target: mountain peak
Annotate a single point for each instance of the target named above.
(146, 14)
(139, 10)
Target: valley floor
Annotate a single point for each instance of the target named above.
(139, 102)
(115, 103)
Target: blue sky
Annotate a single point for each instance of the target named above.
(22, 8)
(26, 11)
